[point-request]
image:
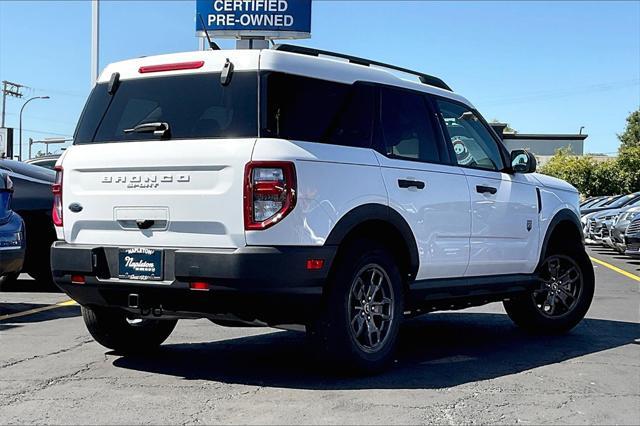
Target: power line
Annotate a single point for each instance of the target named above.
(555, 94)
(41, 132)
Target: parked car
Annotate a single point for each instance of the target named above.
(619, 228)
(632, 238)
(590, 202)
(32, 200)
(612, 203)
(280, 187)
(48, 161)
(12, 242)
(601, 222)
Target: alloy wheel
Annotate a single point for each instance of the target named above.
(561, 284)
(371, 305)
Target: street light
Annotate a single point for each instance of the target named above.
(20, 127)
(47, 142)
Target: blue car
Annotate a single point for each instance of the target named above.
(12, 237)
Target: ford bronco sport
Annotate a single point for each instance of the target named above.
(292, 186)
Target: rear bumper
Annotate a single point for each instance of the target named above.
(270, 284)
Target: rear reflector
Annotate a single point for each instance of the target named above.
(313, 264)
(199, 286)
(171, 67)
(78, 279)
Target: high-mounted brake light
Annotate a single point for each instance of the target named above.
(171, 67)
(56, 188)
(269, 193)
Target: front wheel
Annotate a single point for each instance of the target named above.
(358, 328)
(113, 329)
(562, 298)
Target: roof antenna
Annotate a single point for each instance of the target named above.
(212, 44)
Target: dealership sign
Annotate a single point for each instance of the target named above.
(274, 19)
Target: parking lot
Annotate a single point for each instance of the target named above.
(471, 366)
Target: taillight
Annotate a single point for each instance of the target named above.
(269, 193)
(56, 188)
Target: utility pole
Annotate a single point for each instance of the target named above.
(9, 89)
(95, 41)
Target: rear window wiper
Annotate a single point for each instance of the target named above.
(158, 129)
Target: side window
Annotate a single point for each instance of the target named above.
(313, 110)
(354, 123)
(407, 128)
(472, 143)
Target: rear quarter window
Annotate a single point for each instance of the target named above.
(314, 110)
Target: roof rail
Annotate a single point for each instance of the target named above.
(424, 78)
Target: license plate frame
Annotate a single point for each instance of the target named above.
(140, 264)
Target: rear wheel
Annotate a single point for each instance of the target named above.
(113, 329)
(359, 325)
(563, 296)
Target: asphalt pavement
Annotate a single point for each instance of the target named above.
(469, 366)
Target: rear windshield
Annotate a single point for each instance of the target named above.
(194, 106)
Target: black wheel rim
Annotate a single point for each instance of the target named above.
(561, 285)
(371, 304)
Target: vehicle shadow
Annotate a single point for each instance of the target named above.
(28, 285)
(436, 351)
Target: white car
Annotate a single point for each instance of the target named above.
(291, 186)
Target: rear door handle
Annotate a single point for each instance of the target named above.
(406, 183)
(486, 189)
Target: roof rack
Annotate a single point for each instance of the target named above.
(424, 78)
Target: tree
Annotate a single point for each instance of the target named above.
(631, 135)
(591, 177)
(629, 167)
(577, 170)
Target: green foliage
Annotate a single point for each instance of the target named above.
(591, 177)
(577, 170)
(629, 165)
(631, 135)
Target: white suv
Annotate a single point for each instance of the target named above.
(296, 186)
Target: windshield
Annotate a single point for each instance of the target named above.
(607, 201)
(193, 106)
(624, 200)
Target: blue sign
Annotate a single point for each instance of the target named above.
(259, 18)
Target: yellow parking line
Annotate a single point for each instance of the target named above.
(37, 310)
(615, 268)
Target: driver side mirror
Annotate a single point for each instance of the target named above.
(523, 161)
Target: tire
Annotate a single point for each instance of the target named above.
(111, 329)
(359, 348)
(534, 311)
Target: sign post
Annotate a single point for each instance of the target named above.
(6, 142)
(254, 22)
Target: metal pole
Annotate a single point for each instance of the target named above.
(4, 100)
(20, 126)
(95, 41)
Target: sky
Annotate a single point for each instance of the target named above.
(542, 67)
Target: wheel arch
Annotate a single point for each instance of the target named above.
(389, 227)
(565, 226)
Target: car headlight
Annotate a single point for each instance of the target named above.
(10, 240)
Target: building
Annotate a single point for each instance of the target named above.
(544, 146)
